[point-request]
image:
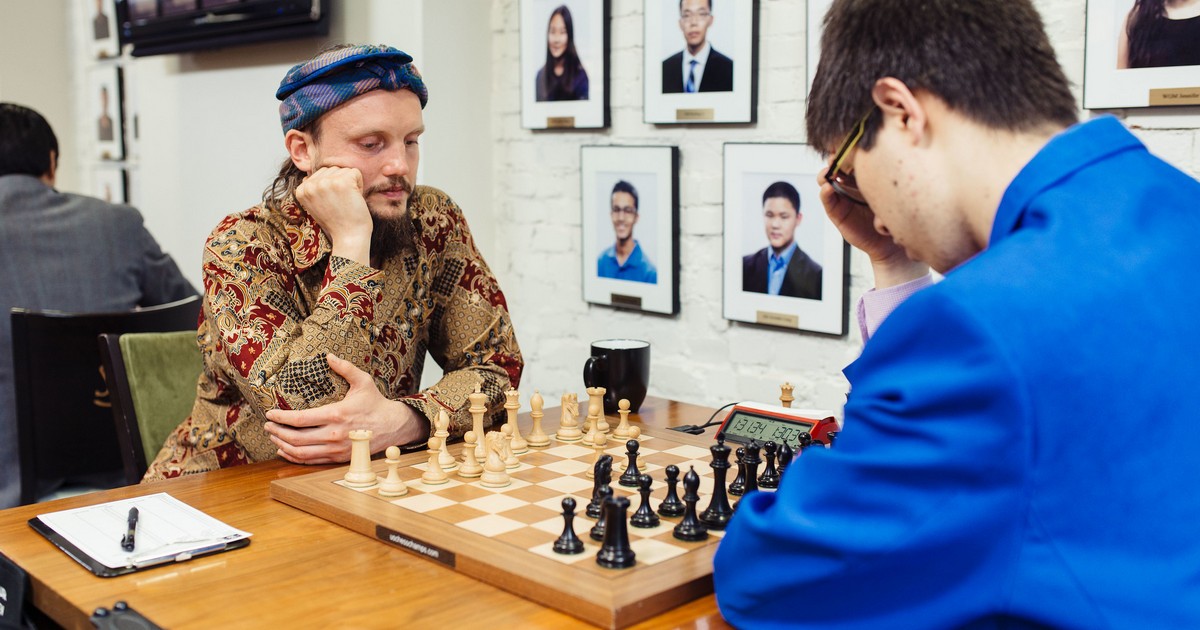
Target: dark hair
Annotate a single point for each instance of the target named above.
(785, 191)
(26, 141)
(555, 87)
(1146, 20)
(709, 5)
(625, 187)
(989, 60)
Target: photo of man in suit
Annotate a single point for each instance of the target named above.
(781, 268)
(104, 123)
(625, 259)
(698, 67)
(100, 22)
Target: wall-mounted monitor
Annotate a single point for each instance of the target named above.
(156, 27)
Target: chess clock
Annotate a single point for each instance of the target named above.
(748, 422)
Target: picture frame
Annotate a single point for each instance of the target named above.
(103, 30)
(1151, 79)
(762, 184)
(110, 184)
(630, 194)
(573, 95)
(105, 111)
(726, 86)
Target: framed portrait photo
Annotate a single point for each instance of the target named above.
(564, 64)
(109, 183)
(103, 32)
(785, 264)
(1141, 54)
(630, 204)
(103, 103)
(701, 62)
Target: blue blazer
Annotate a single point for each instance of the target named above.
(1019, 441)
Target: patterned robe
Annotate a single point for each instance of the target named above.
(276, 301)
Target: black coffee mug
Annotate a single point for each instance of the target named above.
(622, 368)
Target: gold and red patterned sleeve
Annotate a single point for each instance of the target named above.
(273, 338)
(472, 336)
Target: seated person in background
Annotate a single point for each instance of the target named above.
(1018, 449)
(781, 268)
(563, 77)
(320, 304)
(63, 252)
(625, 259)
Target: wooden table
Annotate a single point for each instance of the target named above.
(299, 570)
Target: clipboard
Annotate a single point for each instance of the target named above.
(169, 531)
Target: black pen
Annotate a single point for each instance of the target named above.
(127, 541)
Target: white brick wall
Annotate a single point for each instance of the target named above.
(697, 356)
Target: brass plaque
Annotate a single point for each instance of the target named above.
(1175, 96)
(777, 319)
(561, 122)
(627, 301)
(694, 114)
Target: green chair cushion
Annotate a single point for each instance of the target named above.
(162, 369)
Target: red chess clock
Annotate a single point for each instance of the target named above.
(768, 423)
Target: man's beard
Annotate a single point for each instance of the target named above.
(395, 232)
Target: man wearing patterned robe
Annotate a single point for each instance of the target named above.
(321, 303)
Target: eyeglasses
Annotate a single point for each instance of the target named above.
(843, 181)
(698, 16)
(631, 211)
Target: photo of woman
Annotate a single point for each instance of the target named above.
(1160, 33)
(562, 78)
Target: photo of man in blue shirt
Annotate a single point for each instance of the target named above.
(781, 268)
(625, 259)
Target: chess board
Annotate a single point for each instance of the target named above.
(504, 536)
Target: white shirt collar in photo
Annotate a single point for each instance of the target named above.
(701, 60)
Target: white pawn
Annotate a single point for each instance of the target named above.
(538, 436)
(470, 466)
(360, 474)
(442, 433)
(393, 486)
(568, 425)
(622, 430)
(494, 473)
(434, 475)
(510, 458)
(600, 444)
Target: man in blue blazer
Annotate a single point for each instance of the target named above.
(698, 67)
(1018, 441)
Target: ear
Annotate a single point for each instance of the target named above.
(50, 177)
(301, 148)
(900, 106)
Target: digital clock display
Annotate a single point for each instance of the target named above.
(743, 427)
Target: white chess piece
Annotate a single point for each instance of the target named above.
(442, 433)
(600, 444)
(568, 425)
(434, 475)
(537, 437)
(470, 467)
(511, 405)
(360, 474)
(494, 473)
(393, 485)
(510, 458)
(622, 430)
(601, 419)
(478, 408)
(785, 394)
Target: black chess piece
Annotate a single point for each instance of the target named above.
(644, 517)
(718, 513)
(830, 437)
(770, 476)
(738, 487)
(804, 440)
(602, 476)
(615, 552)
(597, 532)
(786, 454)
(671, 506)
(690, 528)
(629, 478)
(568, 542)
(750, 463)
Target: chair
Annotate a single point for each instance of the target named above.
(152, 378)
(64, 423)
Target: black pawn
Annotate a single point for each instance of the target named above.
(770, 476)
(831, 437)
(750, 463)
(568, 543)
(786, 454)
(718, 513)
(804, 441)
(671, 506)
(615, 552)
(644, 517)
(738, 487)
(602, 476)
(597, 532)
(690, 528)
(629, 478)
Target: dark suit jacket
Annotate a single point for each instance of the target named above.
(718, 73)
(802, 278)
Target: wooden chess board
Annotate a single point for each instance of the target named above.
(503, 536)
